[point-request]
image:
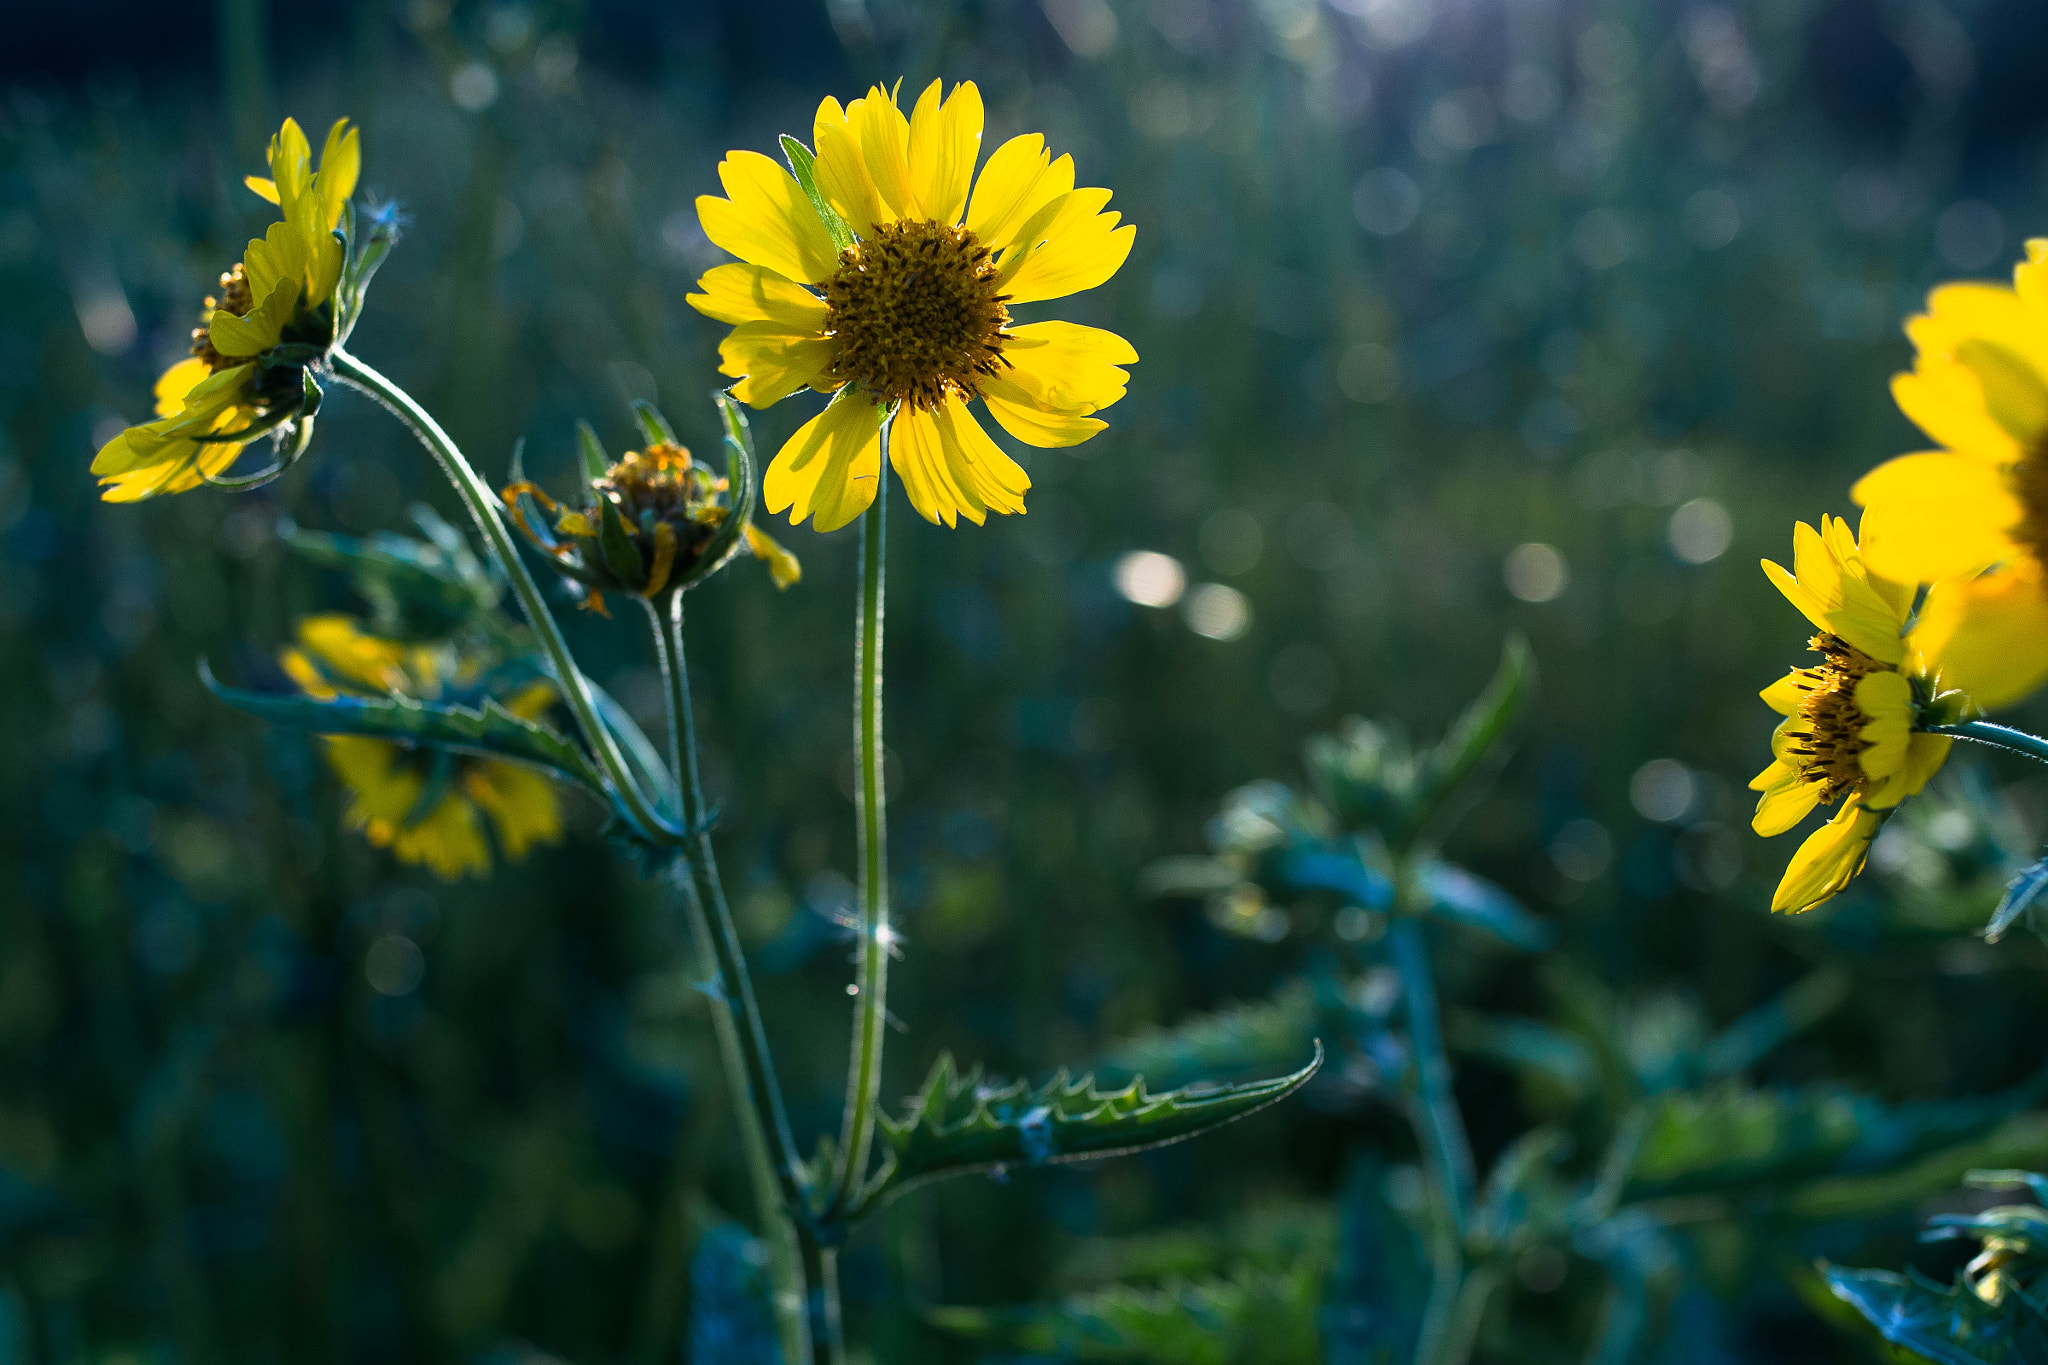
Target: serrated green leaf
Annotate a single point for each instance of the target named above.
(962, 1124)
(1471, 741)
(1251, 1318)
(1946, 1325)
(592, 452)
(653, 425)
(1245, 1038)
(489, 730)
(803, 165)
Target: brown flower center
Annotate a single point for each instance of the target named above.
(2030, 486)
(234, 298)
(1827, 752)
(916, 314)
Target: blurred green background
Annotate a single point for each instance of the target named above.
(1457, 317)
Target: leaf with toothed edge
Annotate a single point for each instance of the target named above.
(959, 1125)
(489, 730)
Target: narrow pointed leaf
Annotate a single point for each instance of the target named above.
(653, 425)
(490, 729)
(803, 165)
(2020, 895)
(615, 541)
(595, 460)
(1472, 740)
(962, 1124)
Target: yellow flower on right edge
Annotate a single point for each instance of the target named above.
(1850, 729)
(1977, 510)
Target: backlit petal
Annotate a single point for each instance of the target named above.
(1020, 179)
(1987, 636)
(945, 141)
(341, 162)
(882, 135)
(1066, 367)
(1936, 515)
(768, 220)
(1021, 416)
(772, 361)
(752, 293)
(1829, 859)
(841, 176)
(1783, 807)
(1069, 245)
(828, 470)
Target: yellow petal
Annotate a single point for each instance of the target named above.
(1782, 807)
(522, 805)
(261, 330)
(1020, 179)
(263, 185)
(280, 254)
(1936, 515)
(841, 176)
(1067, 246)
(767, 220)
(1021, 416)
(1829, 859)
(1944, 399)
(179, 381)
(750, 293)
(1886, 700)
(1066, 367)
(1832, 590)
(828, 470)
(291, 170)
(772, 361)
(1785, 696)
(2030, 277)
(945, 142)
(1987, 636)
(341, 162)
(783, 569)
(950, 468)
(882, 135)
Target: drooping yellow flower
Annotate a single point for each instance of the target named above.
(428, 806)
(1849, 730)
(228, 392)
(1977, 509)
(913, 318)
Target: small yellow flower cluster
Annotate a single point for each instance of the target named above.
(1970, 523)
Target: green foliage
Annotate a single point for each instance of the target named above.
(960, 1124)
(417, 589)
(1235, 1041)
(485, 728)
(1251, 1318)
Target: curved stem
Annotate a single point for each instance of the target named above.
(742, 1052)
(482, 505)
(864, 1072)
(725, 941)
(1998, 737)
(1443, 1127)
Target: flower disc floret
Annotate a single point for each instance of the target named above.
(917, 313)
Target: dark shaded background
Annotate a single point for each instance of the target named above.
(1417, 282)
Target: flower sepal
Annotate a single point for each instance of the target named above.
(656, 522)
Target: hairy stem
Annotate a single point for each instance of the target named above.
(864, 1070)
(1998, 737)
(743, 1051)
(482, 505)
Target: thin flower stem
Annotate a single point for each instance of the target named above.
(864, 1072)
(1998, 737)
(749, 1073)
(1442, 1127)
(1452, 1344)
(482, 505)
(759, 1066)
(828, 1293)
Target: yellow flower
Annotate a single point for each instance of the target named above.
(428, 806)
(1848, 733)
(912, 319)
(229, 392)
(1979, 386)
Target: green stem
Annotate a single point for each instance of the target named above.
(1452, 1344)
(731, 959)
(482, 505)
(828, 1293)
(864, 1071)
(1998, 737)
(749, 1073)
(1442, 1127)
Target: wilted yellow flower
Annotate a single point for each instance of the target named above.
(1979, 385)
(651, 526)
(912, 318)
(233, 389)
(428, 806)
(1849, 730)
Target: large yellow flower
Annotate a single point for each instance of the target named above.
(1979, 386)
(1849, 730)
(228, 393)
(427, 806)
(912, 318)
